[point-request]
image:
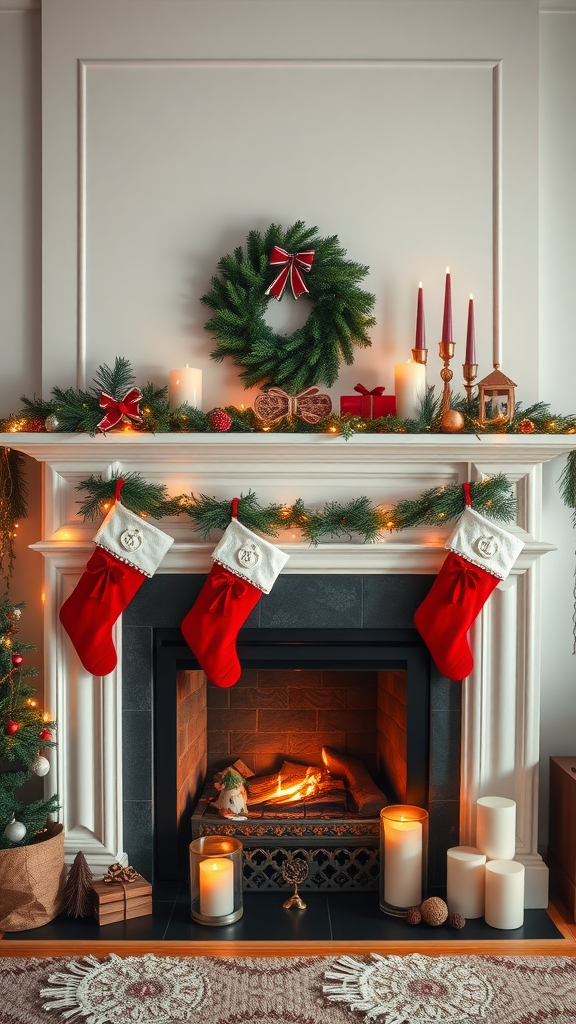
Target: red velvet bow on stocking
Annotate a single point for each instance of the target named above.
(292, 264)
(115, 409)
(464, 577)
(226, 588)
(105, 573)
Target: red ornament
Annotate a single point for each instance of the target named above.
(11, 727)
(35, 425)
(526, 427)
(219, 421)
(17, 659)
(45, 734)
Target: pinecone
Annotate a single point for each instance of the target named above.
(219, 421)
(456, 921)
(413, 915)
(434, 911)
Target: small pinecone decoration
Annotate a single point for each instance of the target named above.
(456, 921)
(526, 426)
(434, 911)
(413, 915)
(219, 421)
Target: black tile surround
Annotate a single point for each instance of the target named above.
(296, 602)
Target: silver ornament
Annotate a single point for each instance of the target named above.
(52, 423)
(16, 613)
(15, 831)
(41, 765)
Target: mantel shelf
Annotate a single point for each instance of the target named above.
(301, 448)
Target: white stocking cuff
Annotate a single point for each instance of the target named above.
(133, 540)
(483, 543)
(247, 555)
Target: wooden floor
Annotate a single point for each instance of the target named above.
(500, 947)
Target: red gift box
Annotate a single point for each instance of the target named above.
(368, 404)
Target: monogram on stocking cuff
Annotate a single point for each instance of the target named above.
(486, 546)
(248, 556)
(131, 539)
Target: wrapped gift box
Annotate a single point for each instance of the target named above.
(121, 901)
(370, 405)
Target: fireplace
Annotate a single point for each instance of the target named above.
(304, 686)
(105, 784)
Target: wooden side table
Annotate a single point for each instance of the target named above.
(562, 830)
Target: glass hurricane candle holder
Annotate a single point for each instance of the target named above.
(403, 858)
(216, 880)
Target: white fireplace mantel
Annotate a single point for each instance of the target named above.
(501, 699)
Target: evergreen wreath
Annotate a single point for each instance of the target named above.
(339, 318)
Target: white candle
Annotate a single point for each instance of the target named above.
(402, 863)
(496, 827)
(216, 878)
(185, 385)
(465, 881)
(504, 894)
(410, 388)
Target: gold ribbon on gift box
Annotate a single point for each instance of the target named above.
(311, 406)
(116, 873)
(123, 876)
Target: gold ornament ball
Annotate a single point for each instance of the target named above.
(452, 421)
(434, 911)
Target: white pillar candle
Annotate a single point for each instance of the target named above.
(496, 827)
(410, 388)
(185, 385)
(504, 894)
(216, 878)
(465, 881)
(402, 863)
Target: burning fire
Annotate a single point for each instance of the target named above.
(299, 790)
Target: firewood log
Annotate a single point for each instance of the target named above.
(369, 799)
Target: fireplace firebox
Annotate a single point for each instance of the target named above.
(304, 686)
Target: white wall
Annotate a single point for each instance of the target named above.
(20, 263)
(558, 374)
(164, 295)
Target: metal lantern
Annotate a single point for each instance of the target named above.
(496, 396)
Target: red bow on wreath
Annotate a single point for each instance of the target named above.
(115, 410)
(292, 263)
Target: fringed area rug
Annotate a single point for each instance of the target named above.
(292, 990)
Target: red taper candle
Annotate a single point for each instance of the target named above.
(447, 321)
(470, 335)
(420, 327)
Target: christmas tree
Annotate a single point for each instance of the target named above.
(25, 733)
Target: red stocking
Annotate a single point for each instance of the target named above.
(246, 566)
(481, 554)
(128, 550)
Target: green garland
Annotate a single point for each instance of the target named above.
(492, 497)
(338, 320)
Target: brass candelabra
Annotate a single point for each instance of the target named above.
(470, 372)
